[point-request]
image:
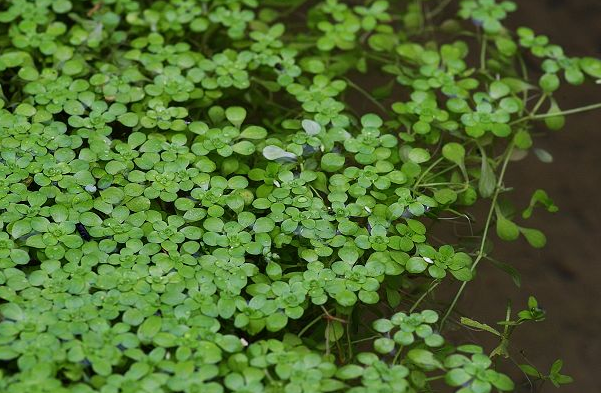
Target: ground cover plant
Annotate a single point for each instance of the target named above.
(191, 200)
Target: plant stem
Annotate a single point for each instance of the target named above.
(483, 53)
(379, 58)
(364, 339)
(562, 113)
(348, 339)
(525, 76)
(327, 337)
(569, 111)
(491, 210)
(442, 184)
(422, 297)
(268, 375)
(435, 378)
(424, 173)
(293, 9)
(448, 169)
(396, 356)
(439, 8)
(308, 326)
(538, 104)
(366, 94)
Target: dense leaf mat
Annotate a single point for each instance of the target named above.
(193, 201)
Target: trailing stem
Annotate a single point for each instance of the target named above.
(481, 253)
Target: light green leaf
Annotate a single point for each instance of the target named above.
(244, 148)
(263, 225)
(149, 328)
(331, 162)
(536, 238)
(454, 152)
(235, 115)
(591, 66)
(423, 358)
(506, 229)
(254, 132)
(274, 152)
(487, 181)
(311, 127)
(478, 325)
(419, 155)
(128, 119)
(20, 228)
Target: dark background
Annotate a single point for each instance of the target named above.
(566, 275)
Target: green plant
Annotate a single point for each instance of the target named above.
(190, 202)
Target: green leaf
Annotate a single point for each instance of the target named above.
(350, 371)
(346, 298)
(7, 353)
(591, 66)
(276, 322)
(112, 195)
(20, 257)
(348, 254)
(457, 377)
(529, 370)
(540, 197)
(509, 269)
(383, 325)
(275, 152)
(416, 265)
(128, 119)
(556, 366)
(114, 167)
(335, 331)
(454, 152)
(332, 162)
(311, 127)
(150, 328)
(470, 348)
(133, 317)
(235, 115)
(419, 155)
(506, 229)
(478, 325)
(463, 274)
(371, 120)
(254, 132)
(229, 343)
(506, 46)
(213, 224)
(523, 140)
(101, 366)
(24, 109)
(487, 181)
(445, 196)
(264, 225)
(61, 6)
(28, 73)
(502, 382)
(20, 228)
(244, 148)
(543, 155)
(384, 345)
(331, 385)
(536, 238)
(498, 90)
(423, 358)
(549, 83)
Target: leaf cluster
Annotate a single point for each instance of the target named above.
(191, 202)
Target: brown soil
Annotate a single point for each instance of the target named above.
(566, 275)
